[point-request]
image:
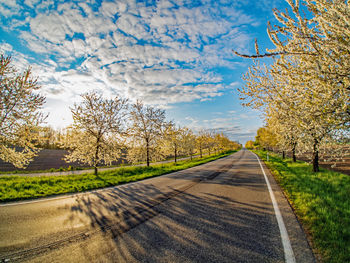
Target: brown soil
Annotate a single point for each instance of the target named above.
(47, 159)
(342, 166)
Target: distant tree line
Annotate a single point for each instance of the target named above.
(304, 92)
(103, 130)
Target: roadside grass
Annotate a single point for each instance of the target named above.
(321, 202)
(22, 187)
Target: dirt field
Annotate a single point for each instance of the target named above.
(341, 166)
(46, 159)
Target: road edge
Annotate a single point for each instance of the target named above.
(298, 235)
(287, 247)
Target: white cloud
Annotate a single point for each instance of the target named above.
(110, 9)
(225, 125)
(31, 3)
(50, 28)
(160, 54)
(44, 5)
(5, 48)
(244, 116)
(8, 8)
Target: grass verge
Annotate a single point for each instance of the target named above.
(321, 202)
(23, 187)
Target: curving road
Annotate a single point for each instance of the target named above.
(217, 212)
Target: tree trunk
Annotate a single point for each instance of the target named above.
(315, 163)
(294, 156)
(283, 154)
(96, 154)
(200, 151)
(175, 153)
(293, 152)
(147, 152)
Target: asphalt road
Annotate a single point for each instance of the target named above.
(217, 212)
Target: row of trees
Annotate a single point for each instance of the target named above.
(103, 130)
(266, 139)
(304, 92)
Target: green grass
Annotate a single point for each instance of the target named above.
(24, 187)
(321, 201)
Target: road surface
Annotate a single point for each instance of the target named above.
(217, 212)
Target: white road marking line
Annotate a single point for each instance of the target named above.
(288, 251)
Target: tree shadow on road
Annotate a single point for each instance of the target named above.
(141, 223)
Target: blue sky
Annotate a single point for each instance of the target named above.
(173, 54)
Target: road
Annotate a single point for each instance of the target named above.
(217, 212)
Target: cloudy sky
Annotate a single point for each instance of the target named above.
(173, 54)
